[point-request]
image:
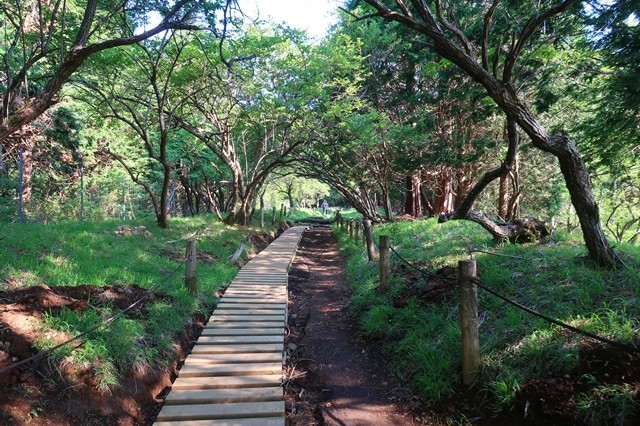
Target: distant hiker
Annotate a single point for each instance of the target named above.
(325, 206)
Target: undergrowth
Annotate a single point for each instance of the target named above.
(90, 253)
(423, 338)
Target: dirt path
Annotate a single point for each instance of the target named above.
(334, 377)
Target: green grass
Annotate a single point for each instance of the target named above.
(79, 253)
(423, 340)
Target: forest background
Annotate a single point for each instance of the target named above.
(464, 110)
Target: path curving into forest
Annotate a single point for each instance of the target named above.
(332, 376)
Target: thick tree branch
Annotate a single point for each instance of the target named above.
(486, 28)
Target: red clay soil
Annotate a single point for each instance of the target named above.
(50, 392)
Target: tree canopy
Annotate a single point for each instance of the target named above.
(482, 111)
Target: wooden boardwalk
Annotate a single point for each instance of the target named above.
(233, 376)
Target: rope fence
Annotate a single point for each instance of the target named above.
(467, 282)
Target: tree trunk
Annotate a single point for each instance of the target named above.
(262, 209)
(503, 196)
(413, 195)
(27, 144)
(515, 231)
(513, 210)
(443, 202)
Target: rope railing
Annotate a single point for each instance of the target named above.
(522, 307)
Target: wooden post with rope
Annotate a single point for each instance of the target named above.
(385, 263)
(469, 320)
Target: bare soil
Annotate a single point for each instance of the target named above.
(333, 376)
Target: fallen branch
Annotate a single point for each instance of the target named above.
(238, 253)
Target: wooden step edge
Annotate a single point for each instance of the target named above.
(230, 382)
(222, 411)
(270, 421)
(201, 397)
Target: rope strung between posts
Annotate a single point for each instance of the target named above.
(43, 354)
(585, 333)
(496, 254)
(422, 271)
(526, 309)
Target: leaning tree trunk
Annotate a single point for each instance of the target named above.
(516, 231)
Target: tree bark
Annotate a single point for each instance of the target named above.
(503, 196)
(413, 195)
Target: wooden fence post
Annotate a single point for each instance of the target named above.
(368, 234)
(281, 210)
(273, 218)
(350, 225)
(338, 218)
(356, 224)
(469, 320)
(190, 278)
(385, 262)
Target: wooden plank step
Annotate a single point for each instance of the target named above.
(244, 369)
(222, 317)
(265, 300)
(258, 278)
(233, 358)
(222, 411)
(261, 284)
(227, 382)
(220, 396)
(230, 349)
(264, 421)
(256, 292)
(250, 310)
(265, 288)
(239, 340)
(265, 291)
(219, 325)
(261, 306)
(243, 331)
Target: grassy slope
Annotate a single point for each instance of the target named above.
(77, 253)
(424, 340)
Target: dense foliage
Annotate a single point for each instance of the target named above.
(197, 116)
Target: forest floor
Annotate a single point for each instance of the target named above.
(333, 375)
